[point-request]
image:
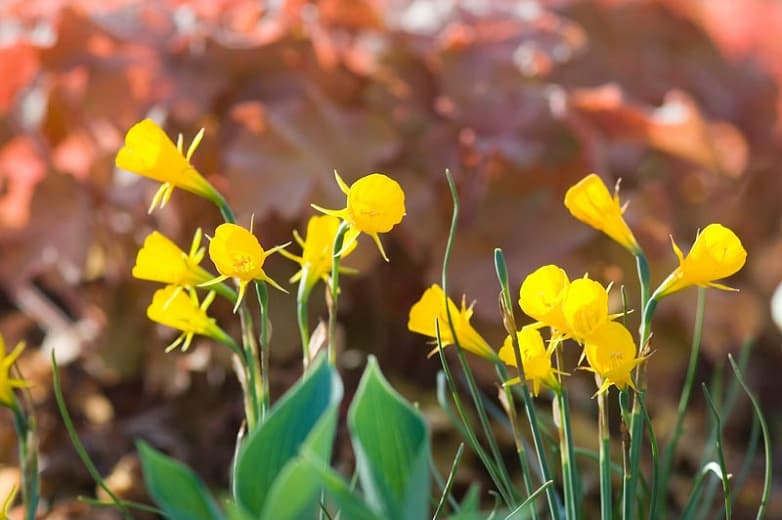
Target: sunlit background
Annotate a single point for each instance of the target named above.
(519, 99)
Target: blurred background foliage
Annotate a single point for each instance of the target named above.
(518, 98)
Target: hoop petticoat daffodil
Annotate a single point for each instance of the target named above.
(317, 257)
(431, 307)
(585, 307)
(375, 204)
(237, 254)
(161, 260)
(611, 353)
(535, 359)
(8, 383)
(149, 152)
(180, 310)
(590, 202)
(716, 253)
(541, 294)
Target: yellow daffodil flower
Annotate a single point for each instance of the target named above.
(180, 310)
(541, 293)
(535, 359)
(585, 307)
(431, 306)
(150, 153)
(612, 354)
(161, 260)
(8, 383)
(316, 258)
(590, 202)
(375, 204)
(237, 254)
(716, 253)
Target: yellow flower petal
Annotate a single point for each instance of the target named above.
(149, 152)
(585, 307)
(716, 253)
(431, 307)
(161, 260)
(612, 354)
(7, 383)
(590, 202)
(541, 293)
(535, 359)
(176, 309)
(236, 252)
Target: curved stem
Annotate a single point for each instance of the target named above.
(249, 357)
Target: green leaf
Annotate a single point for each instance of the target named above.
(304, 417)
(175, 488)
(349, 501)
(391, 443)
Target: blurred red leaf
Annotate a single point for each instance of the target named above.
(19, 63)
(21, 168)
(676, 127)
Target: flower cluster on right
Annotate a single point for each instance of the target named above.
(578, 309)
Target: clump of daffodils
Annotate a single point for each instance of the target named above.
(577, 310)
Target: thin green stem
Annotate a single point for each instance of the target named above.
(249, 357)
(655, 459)
(606, 503)
(566, 454)
(449, 483)
(302, 315)
(766, 439)
(464, 425)
(529, 500)
(77, 444)
(28, 460)
(226, 211)
(720, 452)
(334, 290)
(684, 398)
(262, 291)
(472, 386)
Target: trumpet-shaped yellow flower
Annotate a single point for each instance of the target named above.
(431, 307)
(161, 260)
(541, 293)
(590, 202)
(8, 383)
(239, 255)
(180, 310)
(375, 204)
(716, 253)
(585, 307)
(316, 258)
(535, 359)
(149, 152)
(612, 354)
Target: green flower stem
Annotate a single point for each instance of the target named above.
(643, 276)
(767, 459)
(224, 291)
(464, 425)
(629, 489)
(28, 460)
(653, 497)
(302, 315)
(606, 503)
(225, 210)
(249, 357)
(566, 453)
(720, 453)
(77, 444)
(262, 291)
(503, 471)
(446, 487)
(339, 238)
(684, 398)
(509, 321)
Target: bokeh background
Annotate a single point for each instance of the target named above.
(679, 99)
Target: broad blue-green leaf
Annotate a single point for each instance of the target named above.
(175, 488)
(295, 492)
(272, 445)
(350, 503)
(391, 443)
